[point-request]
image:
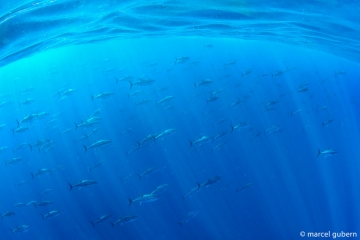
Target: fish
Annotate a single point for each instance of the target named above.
(102, 95)
(212, 99)
(13, 160)
(41, 172)
(67, 93)
(258, 134)
(142, 82)
(216, 92)
(203, 82)
(160, 188)
(82, 183)
(240, 125)
(97, 144)
(219, 135)
(143, 102)
(27, 118)
(144, 198)
(51, 214)
(192, 191)
(220, 146)
(20, 130)
(134, 93)
(129, 130)
(277, 73)
(296, 112)
(42, 115)
(225, 186)
(65, 131)
(128, 176)
(21, 228)
(20, 183)
(125, 219)
(247, 72)
(181, 60)
(147, 139)
(165, 99)
(89, 122)
(124, 79)
(237, 102)
(46, 191)
(327, 122)
(188, 217)
(211, 181)
(2, 126)
(230, 63)
(201, 140)
(96, 165)
(148, 171)
(3, 149)
(326, 152)
(27, 102)
(22, 146)
(243, 187)
(166, 132)
(340, 73)
(19, 205)
(43, 203)
(7, 214)
(302, 89)
(101, 219)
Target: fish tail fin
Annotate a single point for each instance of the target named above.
(32, 176)
(85, 148)
(12, 230)
(138, 143)
(42, 216)
(139, 176)
(131, 84)
(195, 85)
(319, 152)
(18, 123)
(71, 186)
(191, 143)
(112, 224)
(232, 128)
(117, 80)
(180, 224)
(199, 185)
(130, 201)
(93, 224)
(34, 205)
(92, 97)
(76, 126)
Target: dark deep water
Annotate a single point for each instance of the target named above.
(250, 110)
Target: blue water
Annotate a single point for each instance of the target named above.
(276, 97)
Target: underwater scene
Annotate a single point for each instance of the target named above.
(179, 120)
